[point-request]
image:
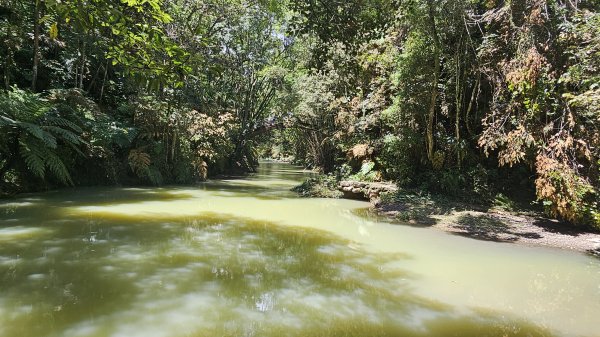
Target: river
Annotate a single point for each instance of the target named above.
(247, 257)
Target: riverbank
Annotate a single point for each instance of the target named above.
(501, 221)
(489, 223)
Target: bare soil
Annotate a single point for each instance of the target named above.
(493, 225)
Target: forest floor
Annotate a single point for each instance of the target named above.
(490, 223)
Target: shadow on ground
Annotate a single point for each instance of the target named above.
(559, 227)
(488, 228)
(421, 211)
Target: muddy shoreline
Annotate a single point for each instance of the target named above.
(494, 225)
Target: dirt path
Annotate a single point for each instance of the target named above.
(495, 225)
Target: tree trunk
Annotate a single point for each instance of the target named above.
(82, 73)
(459, 97)
(36, 44)
(7, 69)
(9, 53)
(434, 84)
(472, 102)
(104, 81)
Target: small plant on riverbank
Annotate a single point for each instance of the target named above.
(322, 186)
(366, 173)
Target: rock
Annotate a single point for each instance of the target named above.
(345, 183)
(365, 190)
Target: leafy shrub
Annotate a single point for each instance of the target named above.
(321, 186)
(565, 194)
(366, 172)
(503, 202)
(396, 158)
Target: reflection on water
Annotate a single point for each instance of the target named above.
(243, 258)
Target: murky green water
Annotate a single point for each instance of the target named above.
(248, 258)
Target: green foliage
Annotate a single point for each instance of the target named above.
(396, 160)
(320, 186)
(188, 83)
(36, 133)
(135, 35)
(461, 97)
(448, 91)
(353, 22)
(503, 202)
(367, 172)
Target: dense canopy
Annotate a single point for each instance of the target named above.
(461, 97)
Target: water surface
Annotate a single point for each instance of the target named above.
(246, 257)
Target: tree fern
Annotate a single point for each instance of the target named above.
(39, 159)
(58, 168)
(123, 137)
(139, 161)
(34, 159)
(64, 123)
(23, 106)
(131, 133)
(39, 130)
(65, 134)
(6, 121)
(76, 149)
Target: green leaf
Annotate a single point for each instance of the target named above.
(58, 168)
(33, 159)
(53, 33)
(39, 133)
(67, 135)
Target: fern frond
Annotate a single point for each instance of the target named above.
(36, 108)
(5, 120)
(24, 105)
(39, 128)
(139, 161)
(59, 121)
(146, 135)
(37, 157)
(39, 133)
(33, 158)
(120, 138)
(131, 133)
(58, 168)
(67, 135)
(76, 149)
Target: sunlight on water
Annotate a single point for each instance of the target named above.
(21, 232)
(245, 257)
